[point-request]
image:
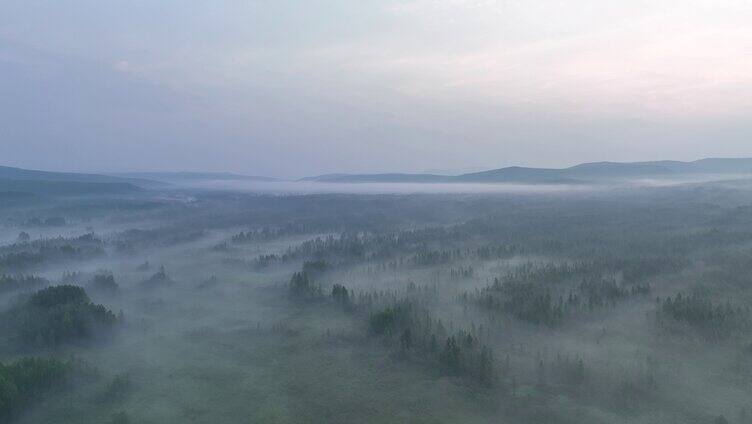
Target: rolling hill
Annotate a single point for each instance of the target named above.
(176, 177)
(578, 174)
(22, 183)
(11, 173)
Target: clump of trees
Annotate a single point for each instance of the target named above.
(57, 315)
(20, 257)
(410, 328)
(714, 321)
(302, 287)
(53, 221)
(548, 293)
(10, 283)
(104, 282)
(316, 268)
(525, 301)
(72, 277)
(461, 272)
(417, 334)
(117, 388)
(433, 257)
(25, 380)
(271, 233)
(134, 240)
(210, 282)
(604, 292)
(159, 278)
(341, 296)
(265, 261)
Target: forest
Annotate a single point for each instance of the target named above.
(194, 305)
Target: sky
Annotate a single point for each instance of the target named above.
(297, 88)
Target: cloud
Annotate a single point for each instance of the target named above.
(396, 85)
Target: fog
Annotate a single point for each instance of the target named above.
(219, 212)
(317, 187)
(304, 187)
(376, 303)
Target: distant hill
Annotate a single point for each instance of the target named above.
(578, 174)
(709, 166)
(194, 176)
(380, 178)
(575, 174)
(615, 169)
(11, 173)
(24, 188)
(515, 174)
(15, 182)
(18, 183)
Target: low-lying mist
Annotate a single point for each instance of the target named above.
(311, 302)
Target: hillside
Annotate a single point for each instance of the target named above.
(23, 188)
(12, 173)
(582, 173)
(194, 176)
(380, 178)
(18, 183)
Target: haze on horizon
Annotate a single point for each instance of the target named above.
(290, 90)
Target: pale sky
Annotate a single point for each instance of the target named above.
(296, 88)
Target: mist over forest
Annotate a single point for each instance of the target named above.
(376, 212)
(130, 300)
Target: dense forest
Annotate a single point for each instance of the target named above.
(177, 305)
